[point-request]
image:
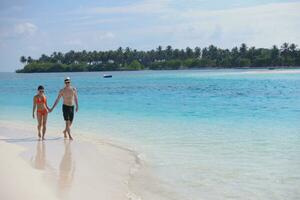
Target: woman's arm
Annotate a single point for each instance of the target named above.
(34, 106)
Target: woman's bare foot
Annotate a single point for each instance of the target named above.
(39, 134)
(70, 137)
(43, 138)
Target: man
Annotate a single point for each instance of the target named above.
(69, 95)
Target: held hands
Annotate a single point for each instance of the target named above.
(50, 109)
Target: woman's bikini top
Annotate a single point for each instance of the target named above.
(41, 100)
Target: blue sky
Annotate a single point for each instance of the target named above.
(33, 27)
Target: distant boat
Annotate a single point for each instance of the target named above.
(271, 68)
(107, 76)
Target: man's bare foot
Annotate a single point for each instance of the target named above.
(39, 134)
(65, 134)
(43, 138)
(70, 137)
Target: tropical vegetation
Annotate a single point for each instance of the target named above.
(168, 58)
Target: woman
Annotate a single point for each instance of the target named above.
(40, 103)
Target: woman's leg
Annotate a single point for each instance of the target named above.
(39, 120)
(45, 117)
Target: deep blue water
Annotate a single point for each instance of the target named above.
(209, 134)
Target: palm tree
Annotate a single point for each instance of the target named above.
(293, 50)
(60, 57)
(243, 49)
(275, 55)
(197, 51)
(189, 52)
(169, 52)
(159, 53)
(23, 59)
(44, 58)
(285, 51)
(29, 59)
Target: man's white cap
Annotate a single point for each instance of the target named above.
(67, 78)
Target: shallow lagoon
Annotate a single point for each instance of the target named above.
(209, 134)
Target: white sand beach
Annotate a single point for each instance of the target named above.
(274, 71)
(258, 71)
(62, 169)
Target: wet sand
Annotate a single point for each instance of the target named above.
(62, 169)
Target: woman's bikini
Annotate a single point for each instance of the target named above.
(42, 100)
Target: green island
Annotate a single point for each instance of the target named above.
(288, 55)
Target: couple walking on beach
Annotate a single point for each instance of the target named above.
(69, 95)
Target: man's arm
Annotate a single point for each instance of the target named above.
(76, 99)
(57, 99)
(33, 108)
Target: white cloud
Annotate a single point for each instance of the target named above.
(17, 31)
(260, 25)
(26, 29)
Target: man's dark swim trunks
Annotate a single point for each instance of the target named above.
(68, 112)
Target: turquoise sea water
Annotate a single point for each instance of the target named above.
(222, 134)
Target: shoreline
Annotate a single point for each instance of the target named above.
(67, 168)
(113, 169)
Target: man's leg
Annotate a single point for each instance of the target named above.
(69, 123)
(65, 115)
(65, 131)
(71, 116)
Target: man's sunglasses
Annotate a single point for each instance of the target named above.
(41, 91)
(67, 82)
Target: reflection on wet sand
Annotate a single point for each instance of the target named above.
(66, 170)
(39, 162)
(64, 173)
